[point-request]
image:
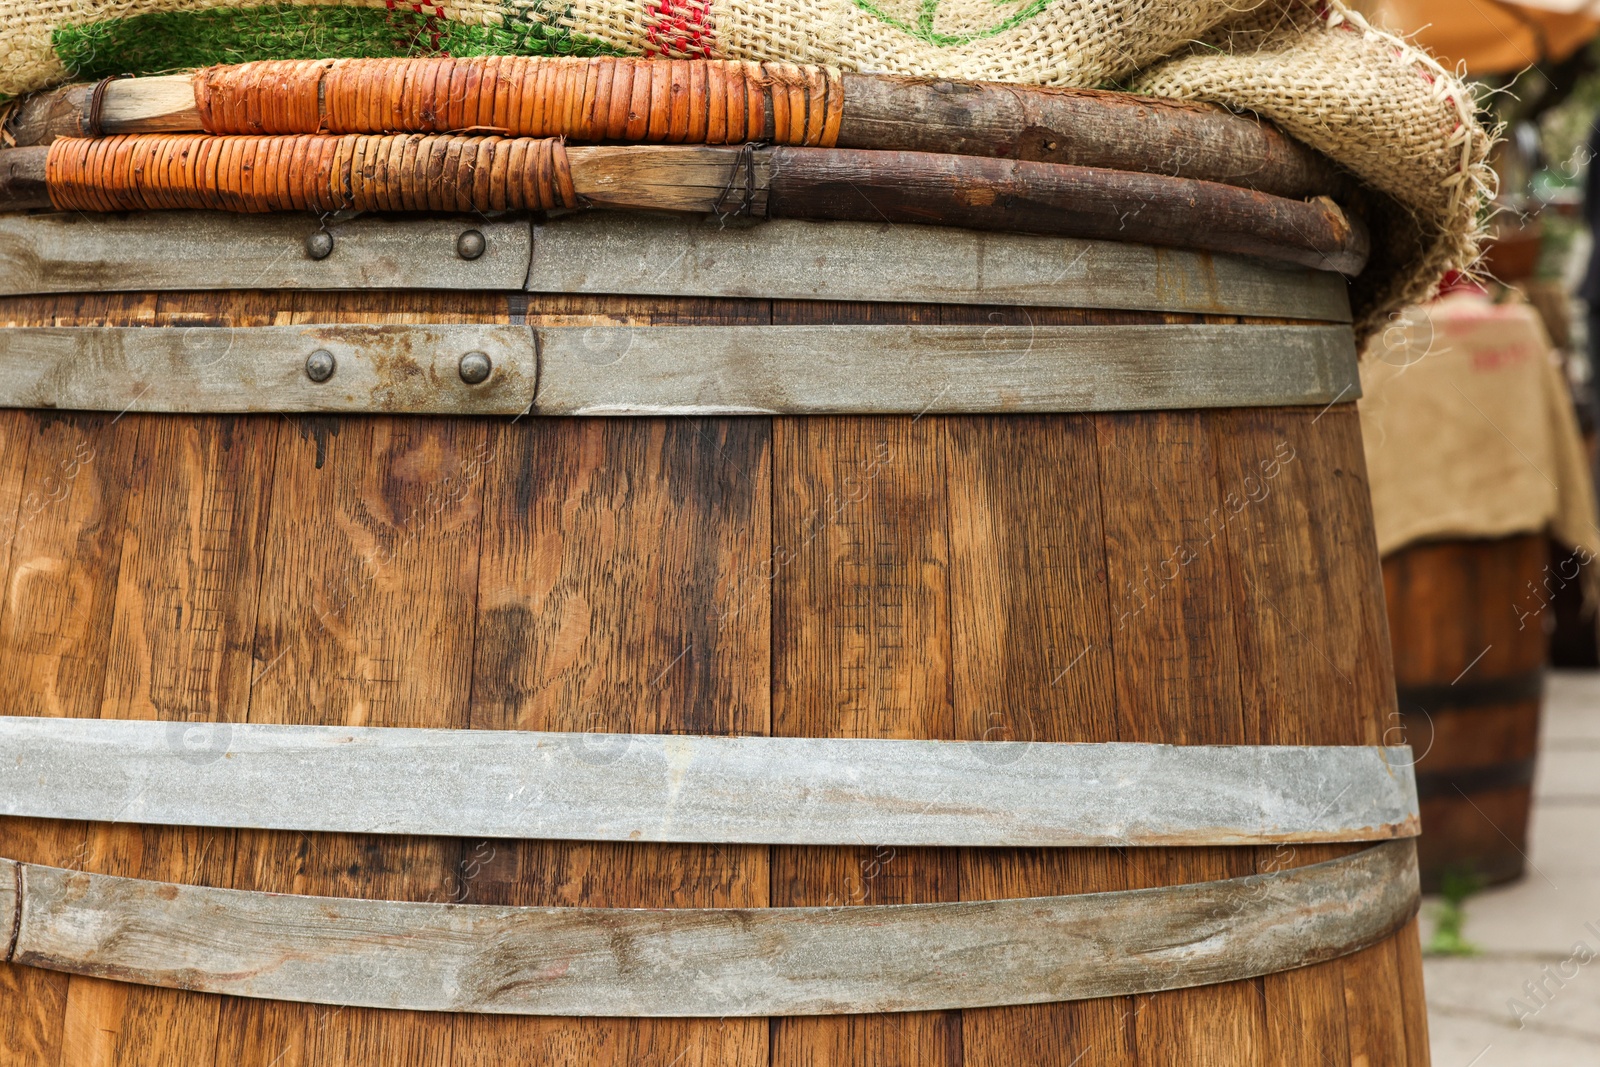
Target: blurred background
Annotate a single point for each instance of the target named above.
(1480, 416)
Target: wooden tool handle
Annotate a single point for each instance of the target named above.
(309, 173)
(1046, 198)
(697, 102)
(444, 172)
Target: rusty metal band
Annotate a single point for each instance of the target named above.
(686, 788)
(674, 370)
(704, 962)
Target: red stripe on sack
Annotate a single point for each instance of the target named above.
(680, 29)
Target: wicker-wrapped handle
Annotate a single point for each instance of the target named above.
(310, 172)
(601, 99)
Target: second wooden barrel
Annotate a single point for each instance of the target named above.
(1200, 576)
(1468, 620)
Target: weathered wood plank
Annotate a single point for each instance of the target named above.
(919, 370)
(1031, 661)
(1408, 958)
(65, 522)
(409, 368)
(368, 583)
(1301, 562)
(698, 178)
(132, 105)
(188, 250)
(562, 644)
(1177, 679)
(860, 648)
(185, 610)
(1375, 1022)
(706, 961)
(33, 1030)
(618, 252)
(65, 555)
(663, 787)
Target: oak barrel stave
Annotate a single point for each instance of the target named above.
(693, 575)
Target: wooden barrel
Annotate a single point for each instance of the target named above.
(1198, 572)
(1575, 633)
(1468, 620)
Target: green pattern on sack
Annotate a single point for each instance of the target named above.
(923, 29)
(181, 40)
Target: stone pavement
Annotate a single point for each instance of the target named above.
(1540, 937)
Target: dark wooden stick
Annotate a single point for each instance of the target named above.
(22, 181)
(133, 105)
(1080, 127)
(42, 117)
(1048, 198)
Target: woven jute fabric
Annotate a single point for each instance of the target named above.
(1469, 430)
(1369, 100)
(1379, 107)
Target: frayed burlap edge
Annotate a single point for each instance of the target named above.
(1426, 191)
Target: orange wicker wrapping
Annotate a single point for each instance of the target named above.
(608, 98)
(311, 172)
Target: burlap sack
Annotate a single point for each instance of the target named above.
(1388, 113)
(1383, 109)
(1469, 429)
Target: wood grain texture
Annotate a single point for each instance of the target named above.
(366, 615)
(861, 648)
(180, 649)
(594, 550)
(1032, 661)
(1414, 1008)
(680, 512)
(22, 179)
(1026, 197)
(1177, 674)
(1084, 128)
(713, 181)
(63, 555)
(137, 105)
(1303, 564)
